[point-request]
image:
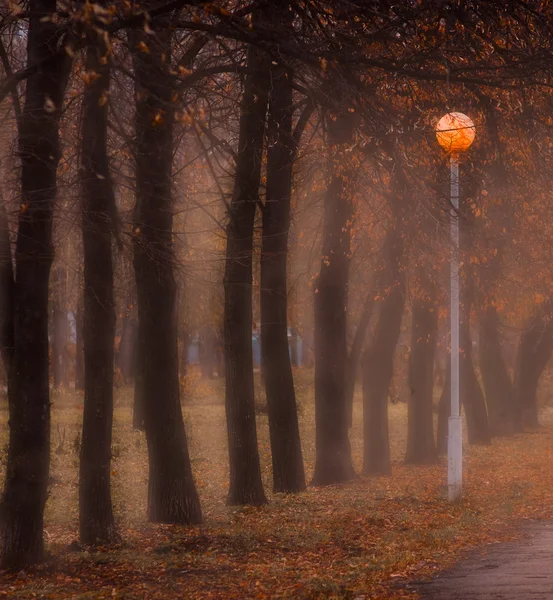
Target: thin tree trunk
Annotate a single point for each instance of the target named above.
(183, 333)
(246, 486)
(138, 370)
(421, 448)
(471, 394)
(95, 508)
(499, 389)
(534, 351)
(26, 483)
(378, 362)
(79, 344)
(6, 292)
(288, 471)
(139, 400)
(59, 327)
(355, 352)
(333, 451)
(172, 495)
(127, 345)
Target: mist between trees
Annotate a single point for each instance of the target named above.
(258, 186)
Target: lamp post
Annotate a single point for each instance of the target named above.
(455, 133)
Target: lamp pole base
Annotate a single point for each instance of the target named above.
(455, 459)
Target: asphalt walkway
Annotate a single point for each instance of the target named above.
(512, 571)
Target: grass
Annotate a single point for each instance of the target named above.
(350, 541)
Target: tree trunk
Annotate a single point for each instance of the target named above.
(378, 362)
(79, 344)
(206, 351)
(139, 398)
(355, 354)
(95, 508)
(246, 486)
(26, 484)
(60, 327)
(500, 394)
(172, 496)
(183, 331)
(127, 346)
(471, 394)
(333, 451)
(288, 471)
(6, 292)
(421, 448)
(534, 351)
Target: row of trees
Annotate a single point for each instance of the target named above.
(318, 110)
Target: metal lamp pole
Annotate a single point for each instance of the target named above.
(455, 132)
(455, 424)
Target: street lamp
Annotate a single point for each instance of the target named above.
(455, 133)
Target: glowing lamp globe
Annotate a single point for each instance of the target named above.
(455, 132)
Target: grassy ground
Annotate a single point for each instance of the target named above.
(354, 541)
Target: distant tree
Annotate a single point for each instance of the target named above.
(378, 359)
(333, 451)
(60, 327)
(421, 447)
(534, 351)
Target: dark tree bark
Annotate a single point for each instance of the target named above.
(378, 361)
(95, 508)
(288, 471)
(421, 448)
(139, 403)
(246, 486)
(471, 395)
(60, 326)
(333, 451)
(498, 387)
(172, 496)
(127, 346)
(6, 292)
(79, 344)
(183, 333)
(208, 351)
(26, 484)
(534, 351)
(355, 352)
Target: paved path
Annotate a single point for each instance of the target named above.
(512, 571)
